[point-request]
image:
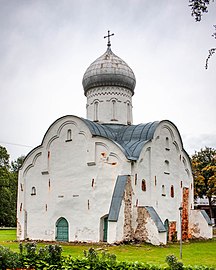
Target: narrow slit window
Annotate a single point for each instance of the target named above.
(143, 185)
(96, 111)
(114, 110)
(167, 167)
(128, 114)
(163, 190)
(135, 179)
(172, 191)
(167, 144)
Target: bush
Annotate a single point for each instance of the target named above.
(49, 258)
(173, 263)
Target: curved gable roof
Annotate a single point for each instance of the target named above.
(131, 138)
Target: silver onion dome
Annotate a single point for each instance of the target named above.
(109, 70)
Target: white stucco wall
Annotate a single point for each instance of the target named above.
(75, 178)
(199, 227)
(166, 145)
(114, 105)
(64, 182)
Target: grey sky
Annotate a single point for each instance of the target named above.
(46, 46)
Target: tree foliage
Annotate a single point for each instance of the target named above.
(8, 188)
(198, 8)
(204, 172)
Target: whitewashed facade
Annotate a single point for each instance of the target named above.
(105, 179)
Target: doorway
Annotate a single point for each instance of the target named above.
(62, 230)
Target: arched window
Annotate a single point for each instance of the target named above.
(166, 169)
(167, 147)
(143, 185)
(69, 135)
(128, 114)
(172, 191)
(33, 191)
(96, 111)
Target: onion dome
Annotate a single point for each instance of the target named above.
(109, 70)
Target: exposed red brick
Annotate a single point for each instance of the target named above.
(172, 231)
(185, 216)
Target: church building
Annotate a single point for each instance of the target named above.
(104, 178)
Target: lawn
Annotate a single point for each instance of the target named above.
(194, 253)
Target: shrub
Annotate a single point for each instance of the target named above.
(173, 263)
(8, 258)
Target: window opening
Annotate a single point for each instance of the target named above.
(172, 191)
(33, 191)
(167, 144)
(96, 111)
(93, 182)
(113, 109)
(163, 191)
(135, 179)
(155, 180)
(166, 167)
(143, 185)
(69, 135)
(128, 114)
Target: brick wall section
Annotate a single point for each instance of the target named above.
(128, 230)
(185, 216)
(172, 230)
(141, 233)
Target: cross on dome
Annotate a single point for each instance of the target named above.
(108, 36)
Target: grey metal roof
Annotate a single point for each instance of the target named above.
(156, 218)
(205, 215)
(131, 138)
(109, 70)
(117, 197)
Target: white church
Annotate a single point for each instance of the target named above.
(106, 179)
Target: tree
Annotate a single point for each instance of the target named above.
(198, 8)
(8, 188)
(4, 187)
(204, 172)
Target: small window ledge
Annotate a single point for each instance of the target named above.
(91, 163)
(44, 172)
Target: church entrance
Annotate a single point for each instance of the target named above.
(62, 230)
(103, 228)
(166, 225)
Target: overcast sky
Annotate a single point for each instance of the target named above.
(46, 46)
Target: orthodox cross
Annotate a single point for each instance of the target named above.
(108, 36)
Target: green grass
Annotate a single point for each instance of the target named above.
(194, 253)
